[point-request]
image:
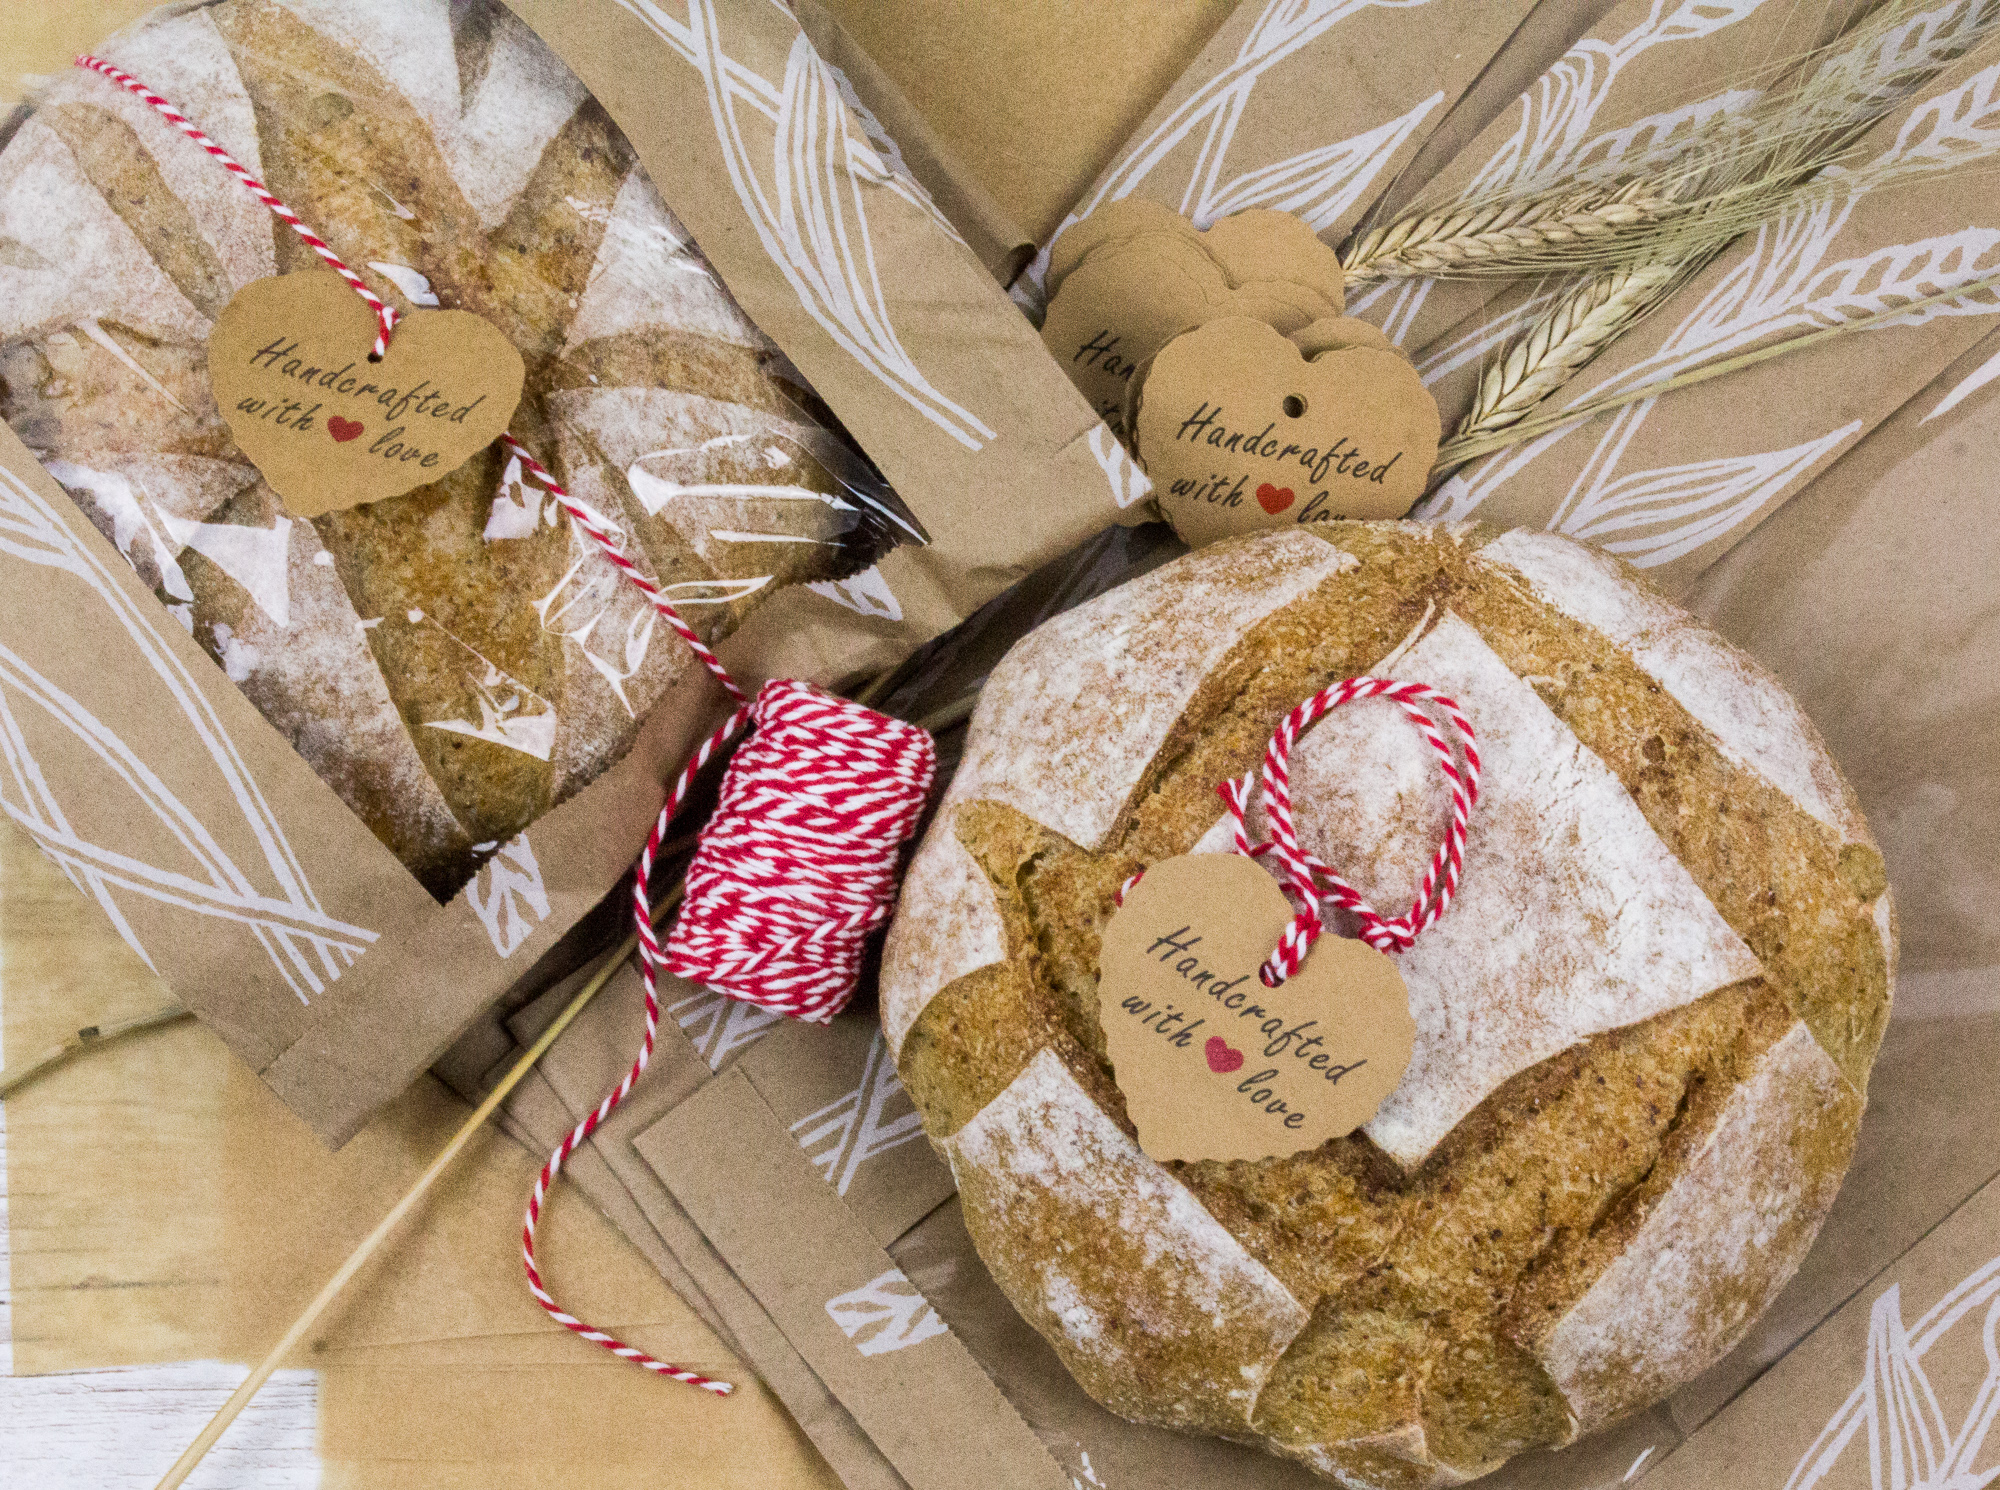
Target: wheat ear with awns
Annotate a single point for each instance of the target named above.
(1493, 238)
(1462, 448)
(1695, 191)
(1581, 324)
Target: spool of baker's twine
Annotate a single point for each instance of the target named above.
(797, 866)
(1312, 882)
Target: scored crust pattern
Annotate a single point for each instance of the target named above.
(1651, 1012)
(455, 661)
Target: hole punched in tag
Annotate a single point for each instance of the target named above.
(1294, 406)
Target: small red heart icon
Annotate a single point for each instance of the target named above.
(1222, 1056)
(344, 430)
(1273, 499)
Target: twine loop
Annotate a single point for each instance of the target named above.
(386, 316)
(1310, 881)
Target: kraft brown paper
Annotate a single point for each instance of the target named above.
(1310, 109)
(288, 927)
(1213, 1064)
(990, 229)
(841, 1301)
(330, 429)
(1033, 98)
(1239, 432)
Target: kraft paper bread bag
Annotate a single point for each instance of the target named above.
(213, 847)
(1669, 484)
(1000, 243)
(1311, 109)
(1077, 80)
(1641, 74)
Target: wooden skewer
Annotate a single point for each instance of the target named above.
(950, 714)
(240, 1398)
(87, 1038)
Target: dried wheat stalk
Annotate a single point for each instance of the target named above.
(1628, 249)
(1464, 447)
(1581, 324)
(1699, 190)
(1498, 236)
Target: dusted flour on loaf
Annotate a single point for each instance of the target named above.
(1644, 1027)
(458, 660)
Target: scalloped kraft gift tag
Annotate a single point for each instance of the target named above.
(1114, 223)
(1332, 334)
(1265, 244)
(1126, 301)
(1239, 432)
(330, 429)
(1338, 335)
(1213, 1064)
(1255, 245)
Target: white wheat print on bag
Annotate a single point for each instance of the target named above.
(806, 170)
(863, 1124)
(1669, 483)
(260, 886)
(1896, 1430)
(885, 1314)
(1211, 150)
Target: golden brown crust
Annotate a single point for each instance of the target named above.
(1451, 1304)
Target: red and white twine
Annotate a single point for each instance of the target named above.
(1308, 879)
(1312, 882)
(790, 880)
(795, 869)
(385, 315)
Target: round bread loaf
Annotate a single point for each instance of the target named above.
(1644, 1028)
(457, 660)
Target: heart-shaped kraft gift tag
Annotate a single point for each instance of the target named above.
(1240, 432)
(1213, 1064)
(330, 429)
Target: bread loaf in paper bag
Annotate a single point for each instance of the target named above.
(457, 660)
